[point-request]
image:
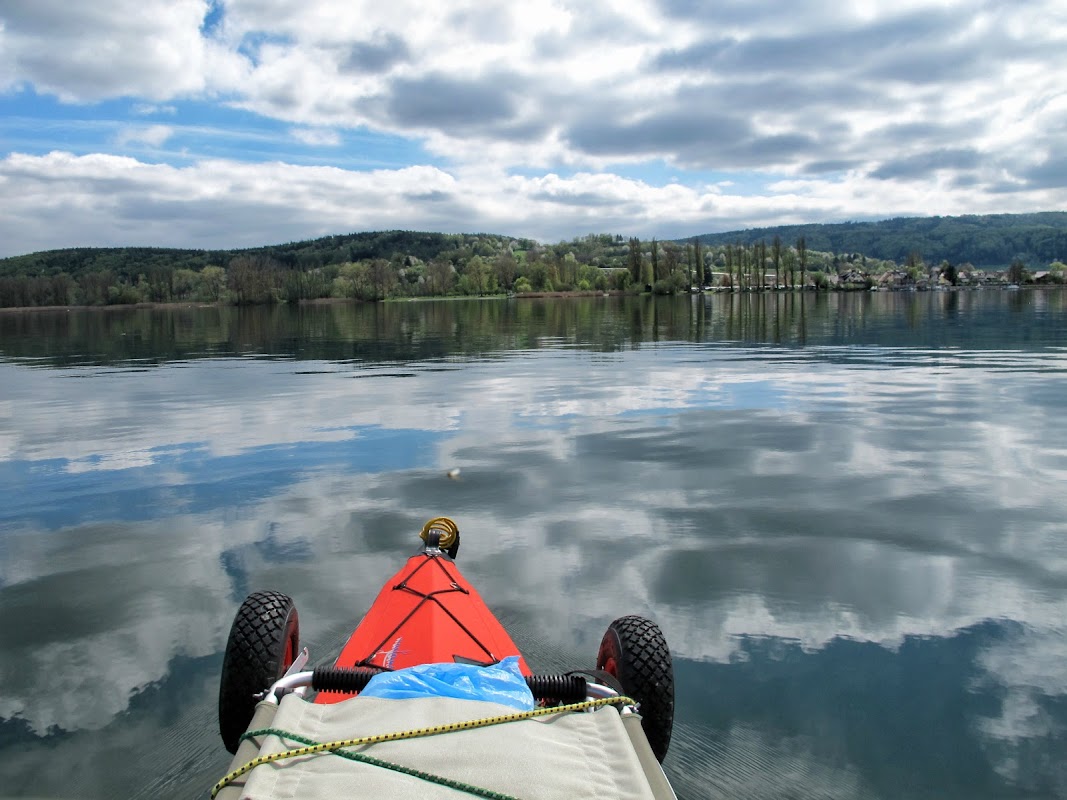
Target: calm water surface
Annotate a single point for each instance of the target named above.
(847, 513)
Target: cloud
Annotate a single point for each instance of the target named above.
(92, 51)
(926, 163)
(151, 135)
(317, 137)
(438, 101)
(62, 200)
(833, 110)
(221, 202)
(150, 109)
(1025, 671)
(1049, 173)
(376, 56)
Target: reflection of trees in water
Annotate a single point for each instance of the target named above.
(392, 332)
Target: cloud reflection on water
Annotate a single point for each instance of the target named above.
(735, 497)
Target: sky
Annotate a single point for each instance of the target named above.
(233, 123)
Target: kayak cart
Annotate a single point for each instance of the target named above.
(431, 698)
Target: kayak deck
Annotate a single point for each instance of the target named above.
(558, 756)
(426, 613)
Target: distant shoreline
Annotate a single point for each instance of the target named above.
(338, 301)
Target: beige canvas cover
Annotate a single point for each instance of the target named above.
(573, 755)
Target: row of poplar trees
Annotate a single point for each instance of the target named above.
(740, 266)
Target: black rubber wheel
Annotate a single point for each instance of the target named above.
(635, 652)
(264, 641)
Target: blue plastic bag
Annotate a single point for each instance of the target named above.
(500, 683)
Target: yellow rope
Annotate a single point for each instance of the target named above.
(448, 529)
(412, 734)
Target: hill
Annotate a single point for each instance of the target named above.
(128, 262)
(993, 240)
(383, 264)
(366, 266)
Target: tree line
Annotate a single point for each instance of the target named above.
(392, 264)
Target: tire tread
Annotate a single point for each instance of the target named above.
(252, 662)
(647, 673)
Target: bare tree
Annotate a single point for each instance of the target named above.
(382, 278)
(776, 254)
(251, 278)
(698, 257)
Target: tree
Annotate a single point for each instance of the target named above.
(538, 277)
(802, 256)
(552, 270)
(568, 271)
(94, 286)
(762, 261)
(789, 261)
(776, 255)
(670, 260)
(698, 258)
(476, 277)
(950, 273)
(62, 289)
(212, 282)
(353, 280)
(186, 282)
(440, 276)
(160, 284)
(590, 277)
(506, 268)
(635, 260)
(318, 281)
(1017, 271)
(250, 278)
(655, 261)
(382, 278)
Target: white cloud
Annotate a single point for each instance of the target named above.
(102, 667)
(866, 110)
(84, 52)
(72, 200)
(150, 109)
(316, 137)
(1026, 671)
(63, 200)
(151, 135)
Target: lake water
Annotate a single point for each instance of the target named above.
(846, 512)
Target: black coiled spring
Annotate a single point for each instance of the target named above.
(341, 679)
(561, 688)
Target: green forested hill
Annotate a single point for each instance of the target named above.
(993, 240)
(367, 266)
(129, 262)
